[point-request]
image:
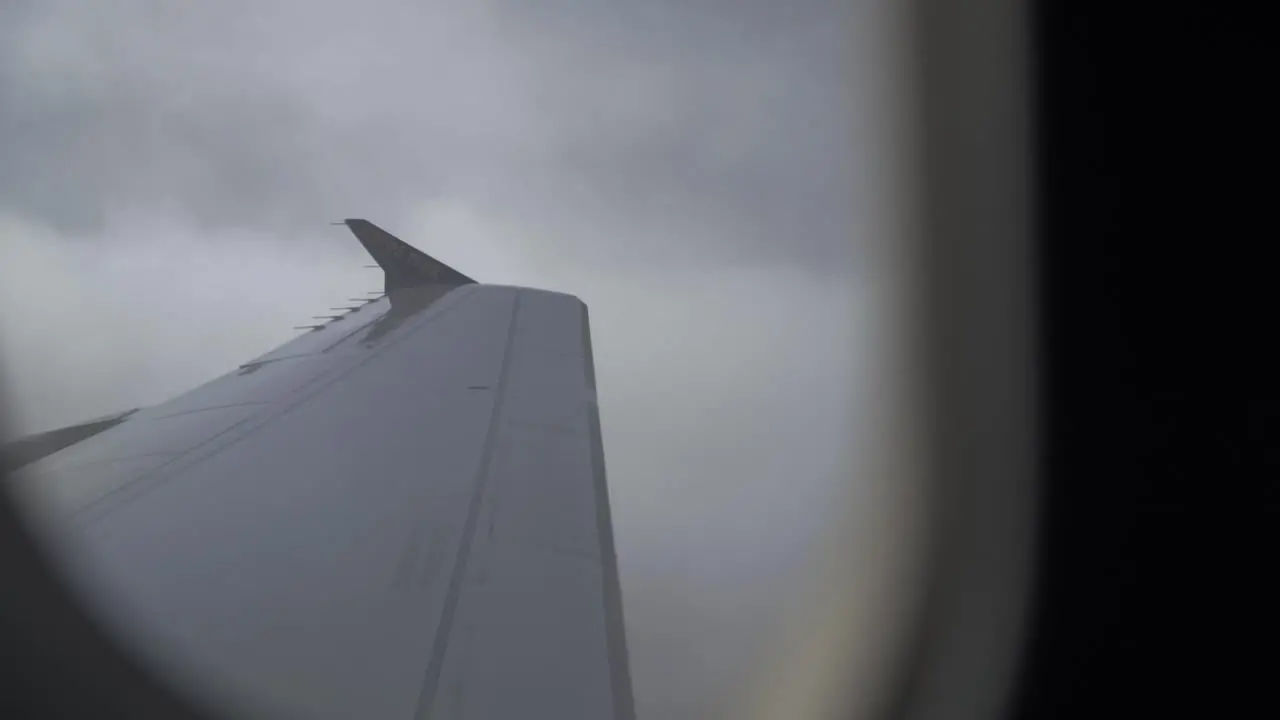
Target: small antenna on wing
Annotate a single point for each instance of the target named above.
(312, 328)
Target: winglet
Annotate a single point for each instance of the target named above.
(405, 266)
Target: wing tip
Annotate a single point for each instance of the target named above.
(405, 265)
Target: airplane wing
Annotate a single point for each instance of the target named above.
(402, 513)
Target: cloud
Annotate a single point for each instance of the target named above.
(727, 124)
(90, 328)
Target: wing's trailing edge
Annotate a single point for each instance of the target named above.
(405, 266)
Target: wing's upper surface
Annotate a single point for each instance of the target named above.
(401, 514)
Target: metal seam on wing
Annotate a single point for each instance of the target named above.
(440, 645)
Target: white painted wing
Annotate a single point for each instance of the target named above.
(401, 514)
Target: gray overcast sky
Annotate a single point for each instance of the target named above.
(702, 174)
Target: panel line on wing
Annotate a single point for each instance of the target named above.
(440, 645)
(208, 408)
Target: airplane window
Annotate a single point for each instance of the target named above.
(675, 245)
